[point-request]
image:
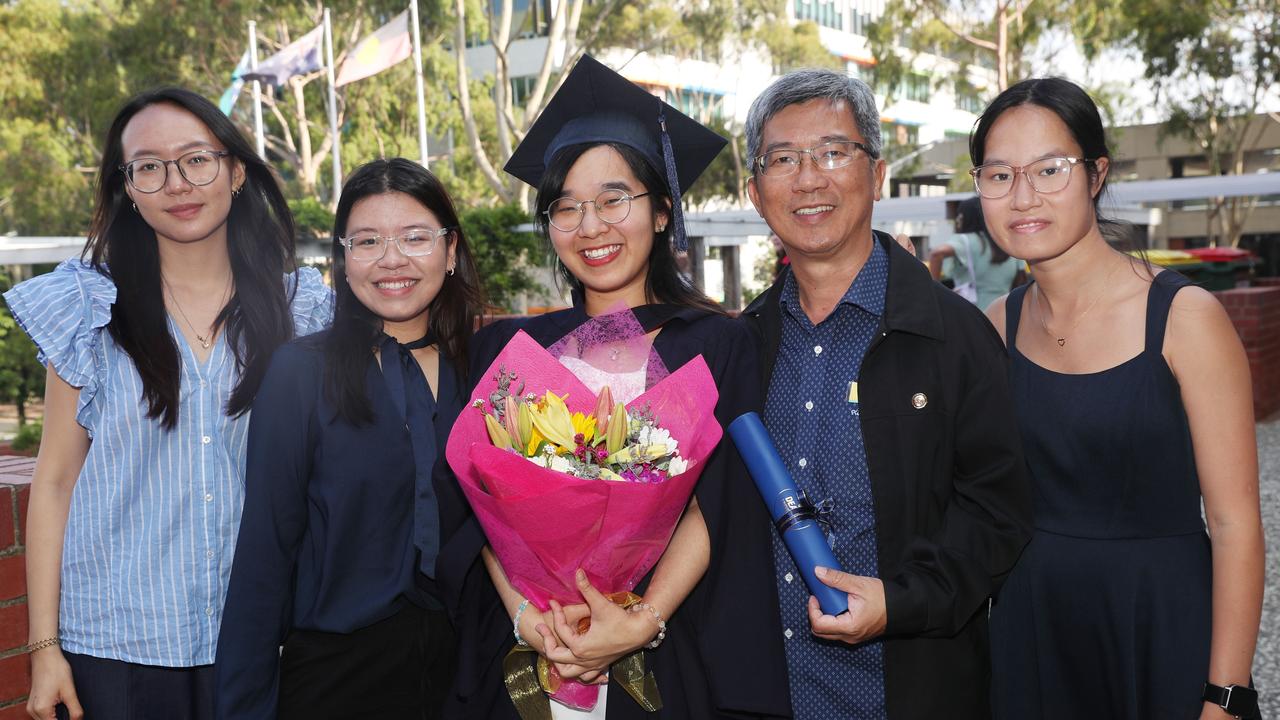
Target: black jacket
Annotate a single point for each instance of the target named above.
(952, 499)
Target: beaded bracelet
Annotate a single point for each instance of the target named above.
(657, 616)
(42, 644)
(516, 624)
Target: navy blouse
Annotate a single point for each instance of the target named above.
(326, 539)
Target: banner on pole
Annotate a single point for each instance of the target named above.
(297, 58)
(387, 46)
(227, 102)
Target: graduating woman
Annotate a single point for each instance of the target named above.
(1132, 393)
(605, 157)
(337, 553)
(155, 347)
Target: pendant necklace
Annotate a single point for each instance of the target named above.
(205, 340)
(1062, 339)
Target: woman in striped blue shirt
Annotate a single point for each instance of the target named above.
(155, 346)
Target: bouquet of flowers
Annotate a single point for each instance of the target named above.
(562, 477)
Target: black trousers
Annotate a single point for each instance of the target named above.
(118, 690)
(401, 667)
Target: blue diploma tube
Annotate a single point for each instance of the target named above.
(799, 529)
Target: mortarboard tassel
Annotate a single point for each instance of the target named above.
(673, 179)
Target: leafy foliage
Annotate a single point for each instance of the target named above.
(503, 254)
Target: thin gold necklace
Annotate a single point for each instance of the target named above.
(1062, 339)
(205, 340)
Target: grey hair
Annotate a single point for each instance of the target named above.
(805, 85)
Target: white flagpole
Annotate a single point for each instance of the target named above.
(417, 73)
(257, 91)
(333, 110)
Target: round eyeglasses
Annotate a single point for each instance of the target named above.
(199, 167)
(827, 156)
(415, 243)
(1047, 175)
(612, 207)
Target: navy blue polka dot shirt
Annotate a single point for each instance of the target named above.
(812, 414)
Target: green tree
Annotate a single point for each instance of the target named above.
(21, 375)
(503, 254)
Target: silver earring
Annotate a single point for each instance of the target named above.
(135, 207)
(236, 192)
(449, 272)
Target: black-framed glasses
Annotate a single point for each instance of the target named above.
(1046, 175)
(198, 167)
(415, 243)
(612, 207)
(827, 156)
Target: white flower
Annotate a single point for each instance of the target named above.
(676, 466)
(559, 464)
(652, 435)
(539, 460)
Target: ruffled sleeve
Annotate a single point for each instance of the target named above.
(65, 313)
(312, 303)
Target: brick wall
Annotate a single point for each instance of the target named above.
(1255, 311)
(15, 677)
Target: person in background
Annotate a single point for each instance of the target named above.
(888, 398)
(338, 543)
(1133, 398)
(980, 269)
(156, 347)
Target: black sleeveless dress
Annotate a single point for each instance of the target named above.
(1107, 613)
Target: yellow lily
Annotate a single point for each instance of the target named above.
(552, 419)
(524, 425)
(497, 434)
(535, 439)
(619, 424)
(607, 474)
(637, 453)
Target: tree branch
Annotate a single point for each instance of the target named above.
(464, 105)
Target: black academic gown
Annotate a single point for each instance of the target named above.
(722, 657)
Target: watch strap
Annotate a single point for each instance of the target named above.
(1237, 700)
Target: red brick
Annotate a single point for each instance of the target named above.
(15, 677)
(15, 712)
(13, 577)
(13, 626)
(8, 533)
(24, 497)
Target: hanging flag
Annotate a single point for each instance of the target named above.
(228, 100)
(385, 47)
(297, 58)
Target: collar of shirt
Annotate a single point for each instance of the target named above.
(867, 291)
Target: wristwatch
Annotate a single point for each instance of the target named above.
(1237, 700)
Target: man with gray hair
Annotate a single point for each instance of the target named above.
(888, 398)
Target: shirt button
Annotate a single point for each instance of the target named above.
(204, 384)
(208, 611)
(803, 462)
(787, 633)
(788, 577)
(808, 405)
(208, 553)
(817, 349)
(208, 498)
(206, 439)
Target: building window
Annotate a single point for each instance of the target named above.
(827, 13)
(521, 89)
(899, 134)
(702, 106)
(968, 98)
(916, 86)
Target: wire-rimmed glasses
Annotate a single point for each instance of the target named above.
(1046, 175)
(612, 207)
(415, 243)
(198, 167)
(827, 156)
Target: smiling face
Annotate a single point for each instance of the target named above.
(397, 288)
(817, 213)
(180, 212)
(610, 260)
(1027, 224)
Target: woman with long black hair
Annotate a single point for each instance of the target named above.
(155, 347)
(338, 543)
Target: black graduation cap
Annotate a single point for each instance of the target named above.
(596, 104)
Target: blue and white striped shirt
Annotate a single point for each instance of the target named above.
(154, 514)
